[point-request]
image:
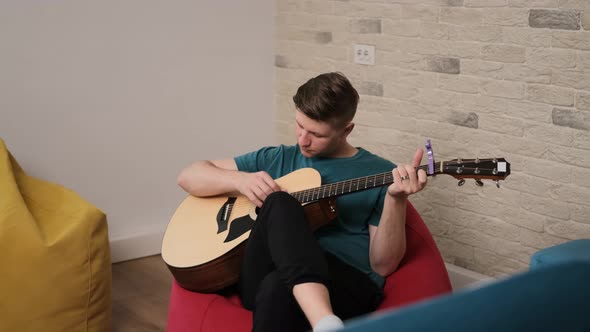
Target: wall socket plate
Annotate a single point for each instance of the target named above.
(364, 54)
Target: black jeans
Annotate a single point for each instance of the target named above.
(281, 253)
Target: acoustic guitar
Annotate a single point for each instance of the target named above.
(205, 238)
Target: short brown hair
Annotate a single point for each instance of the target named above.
(328, 98)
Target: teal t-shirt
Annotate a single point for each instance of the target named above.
(348, 236)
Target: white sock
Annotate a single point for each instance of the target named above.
(328, 323)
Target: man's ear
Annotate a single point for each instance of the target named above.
(348, 129)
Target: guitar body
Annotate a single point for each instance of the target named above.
(206, 237)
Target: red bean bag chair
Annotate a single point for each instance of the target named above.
(421, 274)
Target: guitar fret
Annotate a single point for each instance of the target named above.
(376, 180)
(348, 186)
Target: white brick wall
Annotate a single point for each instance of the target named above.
(493, 78)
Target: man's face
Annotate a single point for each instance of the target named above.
(317, 138)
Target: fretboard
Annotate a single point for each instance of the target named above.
(347, 186)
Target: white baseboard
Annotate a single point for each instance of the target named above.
(463, 278)
(136, 246)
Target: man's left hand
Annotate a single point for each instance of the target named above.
(406, 181)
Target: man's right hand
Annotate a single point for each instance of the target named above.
(257, 186)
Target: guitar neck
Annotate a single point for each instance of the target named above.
(349, 186)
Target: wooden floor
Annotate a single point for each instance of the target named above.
(141, 289)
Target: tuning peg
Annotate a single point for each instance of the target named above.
(461, 182)
(477, 160)
(497, 183)
(479, 183)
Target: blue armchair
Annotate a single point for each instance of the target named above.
(553, 295)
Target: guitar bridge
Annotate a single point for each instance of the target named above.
(224, 213)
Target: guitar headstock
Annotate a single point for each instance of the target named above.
(495, 169)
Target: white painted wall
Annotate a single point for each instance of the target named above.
(112, 98)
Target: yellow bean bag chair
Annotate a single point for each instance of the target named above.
(55, 264)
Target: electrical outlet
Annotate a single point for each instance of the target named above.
(364, 54)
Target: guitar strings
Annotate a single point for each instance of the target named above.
(371, 181)
(346, 186)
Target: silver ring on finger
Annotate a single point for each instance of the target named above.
(405, 177)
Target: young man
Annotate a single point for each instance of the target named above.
(293, 279)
